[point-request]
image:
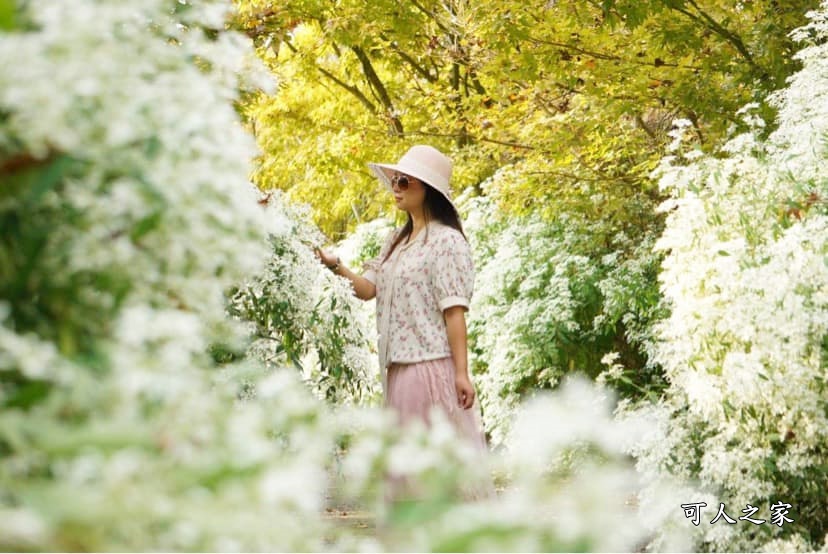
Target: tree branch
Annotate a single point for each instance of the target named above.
(380, 89)
(609, 57)
(417, 67)
(723, 32)
(431, 16)
(581, 178)
(311, 123)
(471, 138)
(350, 88)
(643, 125)
(476, 82)
(422, 71)
(455, 76)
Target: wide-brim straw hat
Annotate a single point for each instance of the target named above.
(422, 162)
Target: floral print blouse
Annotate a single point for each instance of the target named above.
(423, 277)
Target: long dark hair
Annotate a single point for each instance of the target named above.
(435, 206)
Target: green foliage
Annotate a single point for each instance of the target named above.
(578, 92)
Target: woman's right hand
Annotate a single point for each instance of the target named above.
(363, 288)
(324, 257)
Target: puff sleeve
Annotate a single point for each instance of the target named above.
(452, 272)
(371, 267)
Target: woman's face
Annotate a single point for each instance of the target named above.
(409, 193)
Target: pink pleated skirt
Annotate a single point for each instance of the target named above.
(413, 389)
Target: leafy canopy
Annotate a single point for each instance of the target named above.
(579, 95)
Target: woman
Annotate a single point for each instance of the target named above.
(422, 280)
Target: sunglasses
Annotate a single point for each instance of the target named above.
(401, 181)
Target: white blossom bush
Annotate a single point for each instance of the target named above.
(298, 309)
(551, 298)
(126, 213)
(745, 347)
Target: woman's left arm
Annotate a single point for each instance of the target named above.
(455, 318)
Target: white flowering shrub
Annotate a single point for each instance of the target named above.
(126, 213)
(298, 309)
(744, 347)
(552, 297)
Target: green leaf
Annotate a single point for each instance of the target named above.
(26, 179)
(48, 178)
(27, 394)
(145, 225)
